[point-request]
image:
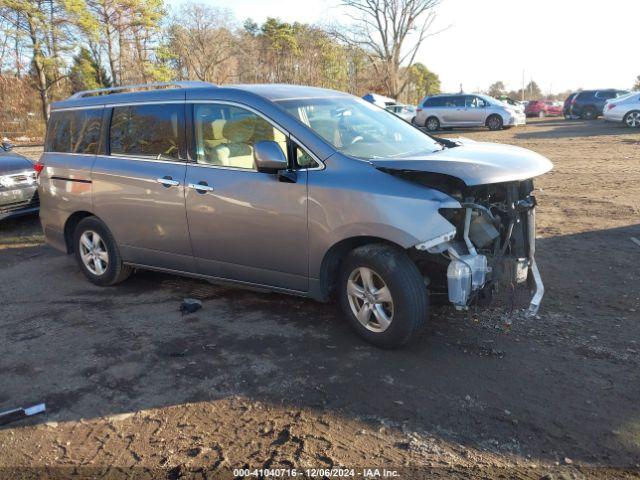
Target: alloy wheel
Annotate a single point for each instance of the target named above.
(370, 299)
(93, 252)
(633, 119)
(494, 123)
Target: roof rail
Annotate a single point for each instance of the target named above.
(141, 86)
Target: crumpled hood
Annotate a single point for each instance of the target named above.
(475, 163)
(12, 162)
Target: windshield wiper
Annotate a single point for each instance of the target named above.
(445, 142)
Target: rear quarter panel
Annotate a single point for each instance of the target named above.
(64, 188)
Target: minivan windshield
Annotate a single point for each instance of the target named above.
(360, 129)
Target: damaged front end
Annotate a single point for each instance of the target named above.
(494, 242)
(492, 238)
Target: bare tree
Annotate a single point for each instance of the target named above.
(391, 32)
(201, 43)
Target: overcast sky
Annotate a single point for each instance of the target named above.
(561, 44)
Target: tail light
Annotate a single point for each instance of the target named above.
(611, 105)
(38, 167)
(573, 101)
(419, 109)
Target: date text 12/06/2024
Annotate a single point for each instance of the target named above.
(316, 472)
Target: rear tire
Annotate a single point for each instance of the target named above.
(494, 122)
(432, 124)
(632, 119)
(383, 295)
(588, 113)
(97, 253)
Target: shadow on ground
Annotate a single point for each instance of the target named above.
(563, 384)
(560, 128)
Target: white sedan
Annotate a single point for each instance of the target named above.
(624, 109)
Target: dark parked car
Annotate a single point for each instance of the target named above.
(589, 104)
(18, 189)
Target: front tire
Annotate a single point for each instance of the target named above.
(494, 122)
(383, 295)
(632, 119)
(97, 253)
(432, 124)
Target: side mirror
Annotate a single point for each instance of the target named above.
(269, 157)
(7, 145)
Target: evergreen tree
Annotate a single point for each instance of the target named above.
(86, 73)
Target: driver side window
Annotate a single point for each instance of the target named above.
(225, 135)
(475, 102)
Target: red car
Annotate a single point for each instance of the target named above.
(542, 108)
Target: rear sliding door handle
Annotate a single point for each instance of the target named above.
(168, 182)
(201, 187)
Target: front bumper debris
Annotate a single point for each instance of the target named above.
(470, 271)
(538, 292)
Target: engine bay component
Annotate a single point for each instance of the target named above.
(482, 232)
(466, 273)
(494, 243)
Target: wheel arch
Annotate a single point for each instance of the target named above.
(70, 227)
(336, 254)
(626, 116)
(503, 120)
(430, 116)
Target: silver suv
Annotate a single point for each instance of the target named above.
(465, 110)
(294, 189)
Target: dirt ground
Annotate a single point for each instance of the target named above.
(136, 390)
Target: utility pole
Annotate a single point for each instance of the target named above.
(523, 85)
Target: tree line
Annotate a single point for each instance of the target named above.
(52, 48)
(532, 91)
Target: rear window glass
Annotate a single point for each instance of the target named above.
(585, 95)
(434, 102)
(152, 131)
(74, 131)
(607, 94)
(457, 101)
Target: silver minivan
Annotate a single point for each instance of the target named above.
(467, 110)
(293, 189)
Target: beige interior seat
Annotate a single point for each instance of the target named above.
(215, 136)
(212, 136)
(238, 151)
(265, 131)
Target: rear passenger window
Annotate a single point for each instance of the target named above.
(152, 131)
(454, 101)
(225, 135)
(74, 131)
(434, 102)
(607, 95)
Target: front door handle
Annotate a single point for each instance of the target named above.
(201, 187)
(168, 181)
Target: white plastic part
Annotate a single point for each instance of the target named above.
(429, 244)
(459, 282)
